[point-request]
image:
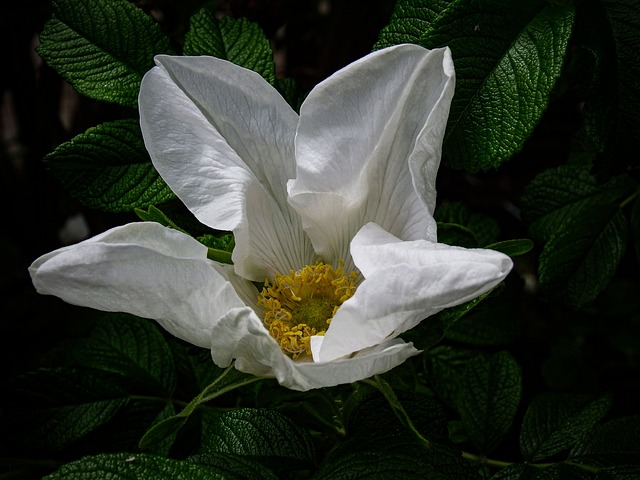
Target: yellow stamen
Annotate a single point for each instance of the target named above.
(301, 304)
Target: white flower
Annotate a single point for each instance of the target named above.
(350, 182)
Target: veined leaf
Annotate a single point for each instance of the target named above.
(558, 471)
(496, 322)
(580, 259)
(585, 232)
(477, 229)
(445, 366)
(409, 21)
(513, 248)
(108, 168)
(102, 47)
(555, 196)
(487, 398)
(234, 467)
(237, 40)
(266, 435)
(57, 407)
(611, 126)
(556, 422)
(133, 348)
(505, 71)
(617, 442)
(133, 466)
(228, 380)
(619, 472)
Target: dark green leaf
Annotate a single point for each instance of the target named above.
(102, 47)
(580, 259)
(133, 348)
(380, 456)
(494, 323)
(457, 235)
(108, 168)
(553, 472)
(583, 227)
(133, 466)
(505, 74)
(154, 214)
(57, 407)
(619, 472)
(555, 422)
(234, 467)
(513, 248)
(488, 397)
(516, 472)
(555, 196)
(617, 442)
(611, 127)
(237, 40)
(264, 434)
(373, 413)
(445, 366)
(505, 71)
(228, 380)
(410, 20)
(374, 466)
(475, 229)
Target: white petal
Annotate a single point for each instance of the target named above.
(147, 270)
(240, 336)
(368, 147)
(405, 282)
(222, 139)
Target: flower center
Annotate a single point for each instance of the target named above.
(301, 304)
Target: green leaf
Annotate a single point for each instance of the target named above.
(474, 229)
(154, 214)
(108, 168)
(556, 422)
(505, 74)
(513, 248)
(555, 196)
(457, 235)
(505, 71)
(237, 40)
(102, 47)
(579, 260)
(611, 127)
(554, 472)
(619, 472)
(374, 466)
(133, 348)
(228, 380)
(133, 466)
(380, 455)
(374, 413)
(445, 366)
(617, 442)
(488, 397)
(583, 227)
(266, 435)
(233, 467)
(56, 407)
(496, 322)
(409, 21)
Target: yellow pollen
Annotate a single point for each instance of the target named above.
(301, 304)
